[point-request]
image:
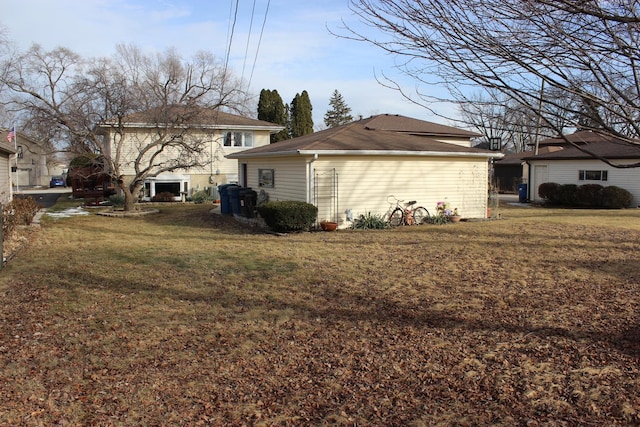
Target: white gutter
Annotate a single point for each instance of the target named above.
(273, 129)
(365, 153)
(311, 186)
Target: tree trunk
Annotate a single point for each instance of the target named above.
(129, 196)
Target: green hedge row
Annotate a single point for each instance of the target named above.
(586, 195)
(285, 216)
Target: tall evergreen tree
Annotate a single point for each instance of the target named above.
(301, 116)
(340, 112)
(272, 109)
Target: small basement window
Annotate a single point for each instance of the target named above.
(265, 178)
(586, 175)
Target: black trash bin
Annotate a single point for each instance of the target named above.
(241, 194)
(249, 200)
(234, 199)
(225, 202)
(522, 193)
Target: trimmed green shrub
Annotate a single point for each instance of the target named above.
(567, 195)
(549, 191)
(589, 195)
(287, 215)
(370, 221)
(615, 197)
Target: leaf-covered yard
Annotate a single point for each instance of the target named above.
(185, 318)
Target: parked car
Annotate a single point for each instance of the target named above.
(57, 181)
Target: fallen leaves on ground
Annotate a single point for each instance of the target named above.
(466, 326)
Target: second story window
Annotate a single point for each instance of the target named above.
(238, 139)
(20, 153)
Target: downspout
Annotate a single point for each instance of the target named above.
(310, 178)
(529, 191)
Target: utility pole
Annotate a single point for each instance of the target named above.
(535, 151)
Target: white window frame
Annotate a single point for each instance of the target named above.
(266, 178)
(583, 175)
(230, 139)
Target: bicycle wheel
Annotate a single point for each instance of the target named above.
(420, 215)
(396, 218)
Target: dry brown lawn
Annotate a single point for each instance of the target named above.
(186, 318)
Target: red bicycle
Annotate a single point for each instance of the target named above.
(407, 214)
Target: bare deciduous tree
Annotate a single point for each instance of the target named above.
(92, 104)
(494, 115)
(583, 51)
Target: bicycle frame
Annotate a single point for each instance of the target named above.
(406, 213)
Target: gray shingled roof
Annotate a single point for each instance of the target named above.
(605, 146)
(200, 117)
(579, 137)
(397, 123)
(513, 158)
(382, 134)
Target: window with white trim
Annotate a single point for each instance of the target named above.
(238, 139)
(587, 175)
(265, 178)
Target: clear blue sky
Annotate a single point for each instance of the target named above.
(296, 52)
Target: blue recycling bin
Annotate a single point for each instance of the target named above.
(225, 202)
(234, 199)
(522, 193)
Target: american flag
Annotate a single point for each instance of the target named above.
(11, 134)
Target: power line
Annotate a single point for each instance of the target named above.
(255, 59)
(230, 34)
(246, 50)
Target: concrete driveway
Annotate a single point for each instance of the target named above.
(45, 197)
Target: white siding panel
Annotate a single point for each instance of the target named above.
(213, 156)
(290, 177)
(365, 184)
(5, 180)
(566, 172)
(463, 142)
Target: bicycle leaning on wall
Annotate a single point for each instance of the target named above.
(407, 214)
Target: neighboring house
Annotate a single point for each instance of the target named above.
(35, 165)
(512, 169)
(508, 172)
(566, 164)
(223, 134)
(7, 159)
(353, 169)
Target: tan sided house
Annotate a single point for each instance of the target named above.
(36, 163)
(363, 166)
(7, 159)
(220, 133)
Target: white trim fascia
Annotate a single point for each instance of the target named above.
(365, 153)
(164, 176)
(272, 129)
